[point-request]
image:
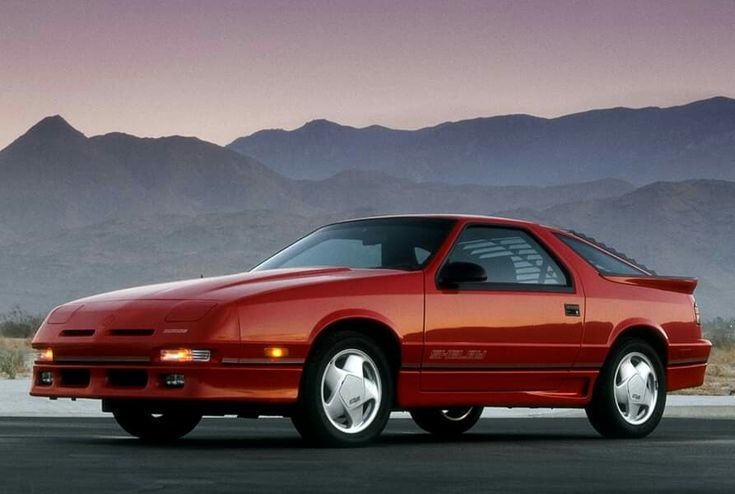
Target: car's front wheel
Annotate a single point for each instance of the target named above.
(630, 394)
(446, 421)
(148, 426)
(346, 390)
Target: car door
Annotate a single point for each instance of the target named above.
(527, 316)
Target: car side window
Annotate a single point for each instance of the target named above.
(509, 256)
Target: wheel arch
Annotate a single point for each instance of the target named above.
(376, 329)
(646, 331)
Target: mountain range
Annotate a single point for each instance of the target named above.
(54, 177)
(79, 214)
(640, 146)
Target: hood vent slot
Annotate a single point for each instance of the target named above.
(77, 332)
(131, 332)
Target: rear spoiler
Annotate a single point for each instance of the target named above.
(668, 283)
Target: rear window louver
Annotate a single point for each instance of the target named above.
(612, 251)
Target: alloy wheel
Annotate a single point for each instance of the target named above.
(351, 391)
(635, 388)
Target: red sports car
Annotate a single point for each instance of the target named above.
(438, 315)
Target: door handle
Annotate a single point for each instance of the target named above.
(571, 310)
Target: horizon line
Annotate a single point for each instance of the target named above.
(336, 123)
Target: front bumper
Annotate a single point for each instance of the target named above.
(266, 384)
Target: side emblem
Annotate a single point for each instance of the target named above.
(444, 354)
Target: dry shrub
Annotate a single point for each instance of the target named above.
(12, 357)
(19, 324)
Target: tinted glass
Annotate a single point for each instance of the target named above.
(508, 256)
(393, 243)
(602, 261)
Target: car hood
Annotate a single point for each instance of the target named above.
(231, 287)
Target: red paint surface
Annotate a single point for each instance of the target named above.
(457, 347)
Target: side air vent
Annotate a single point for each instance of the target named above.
(77, 332)
(131, 332)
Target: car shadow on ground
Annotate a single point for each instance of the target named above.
(292, 442)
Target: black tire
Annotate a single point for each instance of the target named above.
(168, 426)
(446, 421)
(310, 417)
(604, 412)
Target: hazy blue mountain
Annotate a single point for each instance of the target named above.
(637, 145)
(53, 176)
(41, 270)
(377, 193)
(680, 228)
(79, 215)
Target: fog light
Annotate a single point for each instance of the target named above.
(174, 380)
(46, 378)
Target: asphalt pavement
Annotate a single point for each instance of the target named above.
(91, 455)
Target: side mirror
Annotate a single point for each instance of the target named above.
(455, 273)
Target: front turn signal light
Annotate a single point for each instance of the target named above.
(45, 355)
(185, 355)
(276, 352)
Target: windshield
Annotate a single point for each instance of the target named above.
(386, 243)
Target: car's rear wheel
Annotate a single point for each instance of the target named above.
(168, 426)
(345, 394)
(630, 395)
(446, 421)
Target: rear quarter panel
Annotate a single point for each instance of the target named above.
(612, 309)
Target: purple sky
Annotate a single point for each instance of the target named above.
(220, 69)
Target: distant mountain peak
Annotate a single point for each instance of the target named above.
(53, 125)
(715, 99)
(320, 124)
(716, 102)
(50, 130)
(320, 121)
